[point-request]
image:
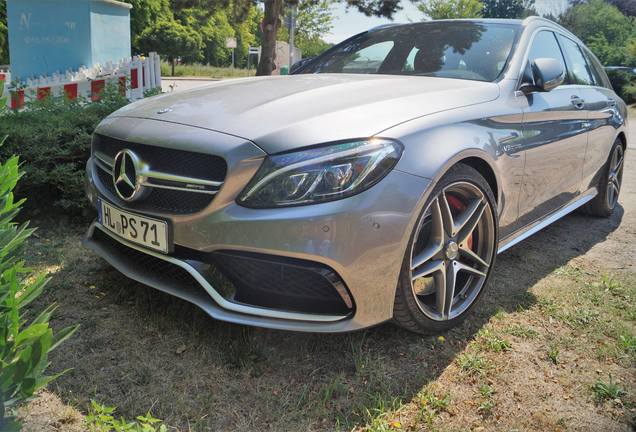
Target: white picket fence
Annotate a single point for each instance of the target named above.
(133, 77)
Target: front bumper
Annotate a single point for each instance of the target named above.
(362, 239)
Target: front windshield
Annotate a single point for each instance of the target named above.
(461, 49)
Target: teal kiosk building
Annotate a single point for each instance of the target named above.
(53, 36)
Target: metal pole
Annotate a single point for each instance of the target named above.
(292, 34)
(232, 58)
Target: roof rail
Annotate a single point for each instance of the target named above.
(534, 18)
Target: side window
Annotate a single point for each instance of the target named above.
(577, 65)
(369, 59)
(600, 78)
(544, 45)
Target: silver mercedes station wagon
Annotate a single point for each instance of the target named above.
(378, 182)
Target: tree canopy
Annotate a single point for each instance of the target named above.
(610, 34)
(446, 9)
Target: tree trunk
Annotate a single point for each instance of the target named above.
(172, 62)
(271, 24)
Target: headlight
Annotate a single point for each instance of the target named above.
(320, 174)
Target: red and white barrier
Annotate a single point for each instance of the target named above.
(133, 77)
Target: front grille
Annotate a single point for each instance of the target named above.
(284, 283)
(190, 164)
(174, 161)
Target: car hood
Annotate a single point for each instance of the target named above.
(286, 112)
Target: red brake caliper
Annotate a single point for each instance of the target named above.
(457, 206)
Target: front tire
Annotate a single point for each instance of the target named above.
(450, 255)
(609, 185)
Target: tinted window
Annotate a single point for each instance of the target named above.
(600, 79)
(465, 50)
(578, 68)
(544, 45)
(369, 59)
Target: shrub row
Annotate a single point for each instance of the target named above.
(53, 138)
(624, 84)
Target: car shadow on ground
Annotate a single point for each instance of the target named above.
(140, 349)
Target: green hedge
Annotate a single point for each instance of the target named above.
(624, 84)
(53, 139)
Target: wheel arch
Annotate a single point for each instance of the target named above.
(486, 171)
(623, 138)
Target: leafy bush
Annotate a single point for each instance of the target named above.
(23, 349)
(624, 84)
(100, 419)
(53, 137)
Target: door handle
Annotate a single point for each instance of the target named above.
(579, 103)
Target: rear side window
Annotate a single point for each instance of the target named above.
(600, 78)
(544, 45)
(579, 69)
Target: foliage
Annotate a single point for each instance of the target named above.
(603, 391)
(313, 21)
(624, 84)
(446, 9)
(610, 35)
(201, 70)
(53, 138)
(23, 349)
(144, 14)
(507, 8)
(4, 40)
(604, 29)
(171, 39)
(627, 7)
(100, 419)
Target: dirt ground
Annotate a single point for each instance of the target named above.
(559, 321)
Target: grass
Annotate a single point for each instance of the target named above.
(603, 391)
(200, 70)
(472, 364)
(488, 340)
(553, 354)
(144, 351)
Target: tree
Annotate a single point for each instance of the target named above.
(144, 14)
(446, 9)
(506, 8)
(4, 37)
(604, 29)
(272, 22)
(627, 7)
(171, 39)
(313, 21)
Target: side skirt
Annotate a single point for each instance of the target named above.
(537, 226)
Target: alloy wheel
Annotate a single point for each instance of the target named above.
(453, 250)
(615, 176)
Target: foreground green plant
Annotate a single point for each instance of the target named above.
(603, 391)
(100, 419)
(23, 349)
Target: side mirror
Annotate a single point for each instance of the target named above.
(548, 73)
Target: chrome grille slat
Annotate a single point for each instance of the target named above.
(155, 172)
(106, 164)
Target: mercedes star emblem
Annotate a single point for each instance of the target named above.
(125, 172)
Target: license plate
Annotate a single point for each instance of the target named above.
(142, 230)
